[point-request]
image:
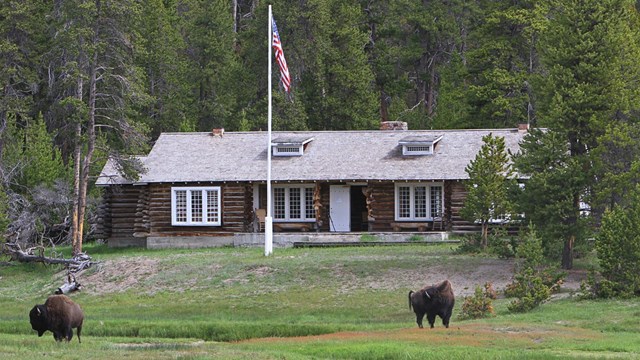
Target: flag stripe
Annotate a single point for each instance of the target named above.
(282, 63)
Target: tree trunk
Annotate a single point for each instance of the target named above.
(384, 112)
(77, 152)
(430, 98)
(485, 234)
(567, 253)
(85, 166)
(3, 126)
(88, 158)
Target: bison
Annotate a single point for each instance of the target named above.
(433, 300)
(59, 314)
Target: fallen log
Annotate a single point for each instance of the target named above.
(74, 265)
(77, 263)
(70, 286)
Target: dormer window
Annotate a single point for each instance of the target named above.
(419, 145)
(289, 146)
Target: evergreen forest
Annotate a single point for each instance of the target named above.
(84, 80)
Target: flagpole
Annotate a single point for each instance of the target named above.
(268, 221)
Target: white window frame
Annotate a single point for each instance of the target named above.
(412, 186)
(287, 203)
(217, 206)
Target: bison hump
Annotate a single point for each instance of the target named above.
(444, 286)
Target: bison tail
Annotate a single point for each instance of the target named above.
(410, 292)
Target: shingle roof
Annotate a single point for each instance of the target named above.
(331, 155)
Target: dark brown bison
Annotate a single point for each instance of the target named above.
(59, 314)
(433, 300)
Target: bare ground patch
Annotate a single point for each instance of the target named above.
(119, 275)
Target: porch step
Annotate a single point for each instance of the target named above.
(304, 244)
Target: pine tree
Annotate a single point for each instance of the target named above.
(590, 51)
(618, 246)
(617, 159)
(490, 180)
(501, 60)
(42, 162)
(97, 86)
(21, 46)
(161, 54)
(336, 87)
(553, 176)
(213, 70)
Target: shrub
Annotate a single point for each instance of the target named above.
(529, 290)
(471, 243)
(595, 287)
(489, 291)
(480, 305)
(530, 248)
(502, 247)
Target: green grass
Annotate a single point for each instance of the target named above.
(310, 303)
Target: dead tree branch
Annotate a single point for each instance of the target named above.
(74, 265)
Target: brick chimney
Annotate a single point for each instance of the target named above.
(394, 125)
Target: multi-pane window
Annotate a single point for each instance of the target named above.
(180, 205)
(279, 203)
(293, 204)
(436, 201)
(404, 202)
(309, 209)
(195, 206)
(418, 201)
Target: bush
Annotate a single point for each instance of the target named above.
(480, 305)
(470, 244)
(595, 287)
(530, 248)
(529, 290)
(502, 247)
(489, 291)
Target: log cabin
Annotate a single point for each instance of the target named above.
(212, 187)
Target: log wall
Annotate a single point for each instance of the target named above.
(103, 218)
(382, 207)
(123, 207)
(142, 211)
(236, 210)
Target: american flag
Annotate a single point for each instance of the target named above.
(282, 63)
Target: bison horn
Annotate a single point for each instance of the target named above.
(38, 311)
(427, 295)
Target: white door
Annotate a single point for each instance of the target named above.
(340, 208)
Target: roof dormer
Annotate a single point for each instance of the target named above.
(419, 145)
(290, 146)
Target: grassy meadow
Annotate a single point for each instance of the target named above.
(311, 303)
